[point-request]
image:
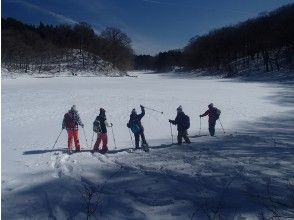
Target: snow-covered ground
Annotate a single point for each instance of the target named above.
(238, 175)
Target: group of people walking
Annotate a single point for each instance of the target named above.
(72, 121)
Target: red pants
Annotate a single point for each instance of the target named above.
(101, 137)
(73, 136)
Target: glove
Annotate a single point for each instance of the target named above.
(142, 106)
(111, 124)
(128, 125)
(170, 121)
(63, 127)
(200, 116)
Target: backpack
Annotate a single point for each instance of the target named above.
(135, 128)
(186, 122)
(97, 126)
(217, 113)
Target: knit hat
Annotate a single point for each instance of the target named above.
(74, 108)
(180, 108)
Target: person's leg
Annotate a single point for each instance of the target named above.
(104, 141)
(70, 139)
(180, 135)
(144, 142)
(212, 127)
(76, 139)
(137, 139)
(98, 141)
(186, 138)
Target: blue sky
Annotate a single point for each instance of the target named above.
(153, 25)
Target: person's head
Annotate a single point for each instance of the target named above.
(179, 109)
(210, 105)
(74, 108)
(134, 111)
(102, 111)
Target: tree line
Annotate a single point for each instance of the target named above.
(265, 41)
(24, 46)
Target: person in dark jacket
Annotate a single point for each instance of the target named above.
(179, 121)
(213, 115)
(71, 122)
(102, 136)
(136, 126)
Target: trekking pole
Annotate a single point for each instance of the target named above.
(171, 132)
(200, 128)
(92, 139)
(221, 125)
(131, 137)
(113, 137)
(153, 109)
(57, 138)
(85, 137)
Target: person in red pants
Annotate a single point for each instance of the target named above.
(100, 126)
(71, 122)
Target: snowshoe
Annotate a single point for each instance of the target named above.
(145, 147)
(103, 151)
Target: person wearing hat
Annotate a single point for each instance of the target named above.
(213, 115)
(71, 122)
(102, 134)
(136, 127)
(183, 123)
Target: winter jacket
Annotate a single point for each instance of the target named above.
(103, 123)
(179, 121)
(135, 119)
(213, 114)
(72, 120)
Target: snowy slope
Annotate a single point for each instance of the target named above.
(225, 176)
(73, 63)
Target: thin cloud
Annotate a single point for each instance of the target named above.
(59, 17)
(198, 6)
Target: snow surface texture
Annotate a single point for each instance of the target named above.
(243, 174)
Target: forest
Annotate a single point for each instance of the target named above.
(27, 46)
(265, 42)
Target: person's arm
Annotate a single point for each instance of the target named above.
(79, 121)
(205, 114)
(175, 122)
(142, 112)
(63, 123)
(107, 124)
(129, 123)
(172, 121)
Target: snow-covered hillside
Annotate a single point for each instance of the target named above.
(242, 174)
(73, 63)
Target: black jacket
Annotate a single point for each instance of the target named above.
(179, 121)
(102, 119)
(135, 119)
(213, 114)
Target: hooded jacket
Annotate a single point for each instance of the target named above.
(72, 120)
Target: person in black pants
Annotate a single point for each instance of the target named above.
(213, 115)
(182, 128)
(136, 126)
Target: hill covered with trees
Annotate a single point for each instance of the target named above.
(261, 43)
(63, 47)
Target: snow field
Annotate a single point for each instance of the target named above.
(169, 182)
